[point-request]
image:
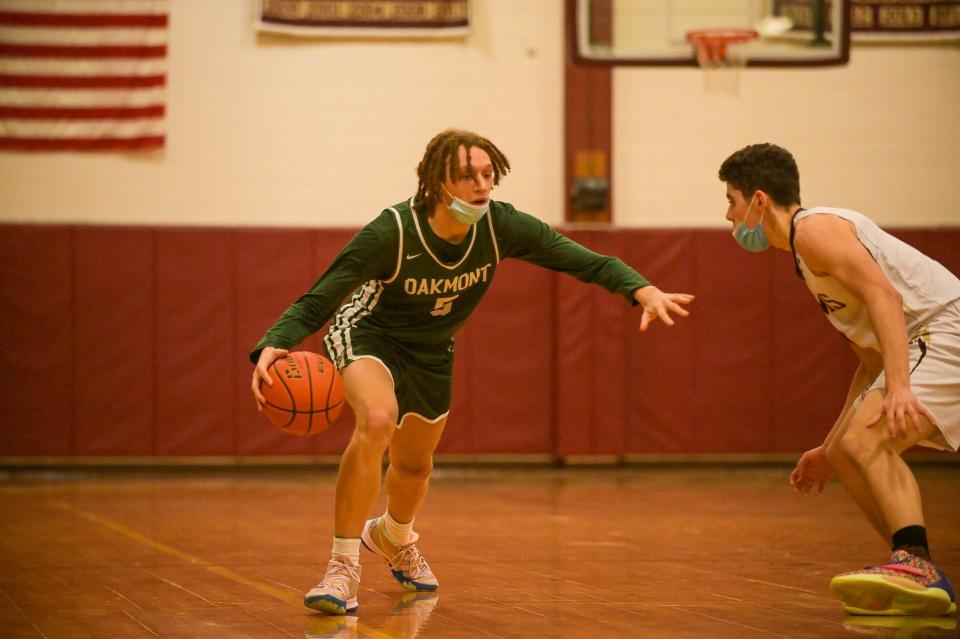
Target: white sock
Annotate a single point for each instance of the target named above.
(348, 547)
(396, 533)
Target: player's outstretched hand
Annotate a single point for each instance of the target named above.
(901, 410)
(813, 470)
(260, 374)
(657, 304)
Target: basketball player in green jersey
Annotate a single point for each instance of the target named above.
(416, 273)
(900, 311)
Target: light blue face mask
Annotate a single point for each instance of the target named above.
(754, 240)
(464, 212)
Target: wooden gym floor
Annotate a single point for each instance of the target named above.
(644, 551)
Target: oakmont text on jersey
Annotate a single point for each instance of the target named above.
(434, 286)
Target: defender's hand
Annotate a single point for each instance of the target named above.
(901, 410)
(812, 470)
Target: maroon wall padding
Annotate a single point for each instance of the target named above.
(592, 389)
(196, 312)
(664, 408)
(503, 379)
(134, 341)
(757, 351)
(37, 363)
(114, 340)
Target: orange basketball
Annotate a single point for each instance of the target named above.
(307, 393)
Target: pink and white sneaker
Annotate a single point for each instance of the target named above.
(337, 593)
(406, 563)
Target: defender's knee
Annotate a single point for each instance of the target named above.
(860, 446)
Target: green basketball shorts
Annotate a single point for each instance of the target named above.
(422, 373)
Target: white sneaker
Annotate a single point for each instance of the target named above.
(406, 563)
(337, 593)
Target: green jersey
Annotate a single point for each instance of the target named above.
(416, 288)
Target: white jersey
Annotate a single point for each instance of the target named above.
(925, 285)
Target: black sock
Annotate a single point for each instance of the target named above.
(913, 539)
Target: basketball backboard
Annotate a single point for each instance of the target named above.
(654, 32)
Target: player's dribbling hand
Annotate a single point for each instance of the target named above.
(657, 304)
(900, 410)
(260, 374)
(813, 470)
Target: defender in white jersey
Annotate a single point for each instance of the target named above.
(900, 311)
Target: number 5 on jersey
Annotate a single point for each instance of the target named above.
(444, 306)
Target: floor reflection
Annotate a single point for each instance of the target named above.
(903, 627)
(405, 620)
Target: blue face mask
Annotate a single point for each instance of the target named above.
(464, 212)
(754, 240)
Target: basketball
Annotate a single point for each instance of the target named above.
(307, 393)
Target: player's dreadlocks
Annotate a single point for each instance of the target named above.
(440, 159)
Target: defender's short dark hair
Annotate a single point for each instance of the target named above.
(440, 159)
(766, 167)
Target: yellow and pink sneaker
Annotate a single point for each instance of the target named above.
(906, 585)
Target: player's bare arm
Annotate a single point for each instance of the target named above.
(657, 304)
(828, 244)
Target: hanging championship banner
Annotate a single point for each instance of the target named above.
(895, 20)
(365, 18)
(910, 19)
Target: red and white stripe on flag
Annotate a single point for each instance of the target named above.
(82, 74)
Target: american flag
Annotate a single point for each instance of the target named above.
(82, 74)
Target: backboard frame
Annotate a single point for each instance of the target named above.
(578, 37)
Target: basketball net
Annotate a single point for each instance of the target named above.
(722, 54)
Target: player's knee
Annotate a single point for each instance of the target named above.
(415, 470)
(860, 445)
(377, 427)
